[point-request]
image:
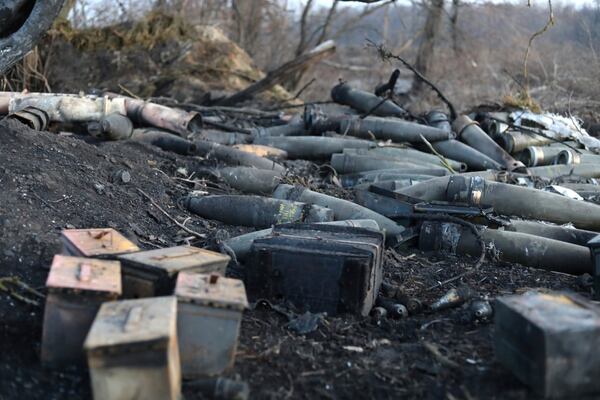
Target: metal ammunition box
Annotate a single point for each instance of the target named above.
(594, 246)
(132, 350)
(154, 272)
(549, 342)
(333, 269)
(209, 314)
(77, 287)
(98, 243)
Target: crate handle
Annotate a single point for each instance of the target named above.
(85, 272)
(133, 318)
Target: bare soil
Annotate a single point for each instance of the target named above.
(51, 182)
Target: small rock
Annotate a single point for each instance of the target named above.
(99, 188)
(121, 176)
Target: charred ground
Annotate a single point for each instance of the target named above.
(50, 182)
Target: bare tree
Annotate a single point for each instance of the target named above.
(430, 34)
(456, 4)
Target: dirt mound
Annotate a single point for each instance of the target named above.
(159, 55)
(51, 182)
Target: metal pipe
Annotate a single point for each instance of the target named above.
(313, 147)
(242, 244)
(393, 129)
(512, 200)
(250, 180)
(528, 250)
(348, 163)
(155, 115)
(233, 156)
(68, 108)
(556, 232)
(255, 211)
(364, 102)
(342, 209)
(470, 133)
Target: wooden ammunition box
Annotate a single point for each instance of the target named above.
(209, 314)
(549, 342)
(132, 350)
(333, 269)
(154, 272)
(77, 287)
(97, 243)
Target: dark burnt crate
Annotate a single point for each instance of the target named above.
(549, 342)
(594, 246)
(333, 269)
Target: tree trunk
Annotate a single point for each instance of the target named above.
(454, 26)
(430, 33)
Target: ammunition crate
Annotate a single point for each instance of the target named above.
(333, 269)
(549, 342)
(594, 246)
(209, 313)
(77, 287)
(97, 243)
(154, 272)
(132, 350)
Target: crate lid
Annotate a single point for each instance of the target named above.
(211, 290)
(80, 273)
(175, 259)
(133, 324)
(554, 311)
(97, 242)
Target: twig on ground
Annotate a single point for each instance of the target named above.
(5, 283)
(441, 157)
(442, 359)
(166, 214)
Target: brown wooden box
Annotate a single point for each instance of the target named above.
(132, 350)
(154, 272)
(209, 314)
(98, 243)
(77, 287)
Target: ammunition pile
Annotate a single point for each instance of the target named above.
(503, 186)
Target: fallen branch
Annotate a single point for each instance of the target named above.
(280, 74)
(386, 55)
